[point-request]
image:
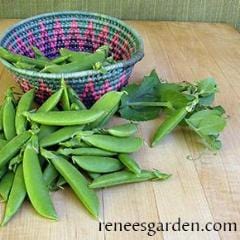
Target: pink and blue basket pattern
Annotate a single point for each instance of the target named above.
(80, 31)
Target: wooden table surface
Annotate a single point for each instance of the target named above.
(203, 190)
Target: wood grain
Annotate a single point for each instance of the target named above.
(201, 190)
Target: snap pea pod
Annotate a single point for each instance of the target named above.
(74, 56)
(24, 104)
(9, 114)
(75, 142)
(35, 185)
(94, 175)
(114, 144)
(65, 98)
(85, 151)
(3, 171)
(50, 174)
(76, 180)
(26, 66)
(13, 58)
(109, 104)
(60, 135)
(5, 185)
(13, 147)
(39, 54)
(51, 102)
(98, 164)
(60, 60)
(124, 177)
(2, 143)
(168, 125)
(16, 196)
(46, 130)
(74, 98)
(130, 163)
(124, 130)
(1, 118)
(65, 118)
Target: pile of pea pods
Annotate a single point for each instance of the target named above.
(63, 143)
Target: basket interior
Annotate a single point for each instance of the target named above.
(75, 31)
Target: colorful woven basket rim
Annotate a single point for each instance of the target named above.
(137, 56)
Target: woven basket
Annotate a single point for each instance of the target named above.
(80, 31)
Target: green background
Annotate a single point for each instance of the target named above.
(227, 11)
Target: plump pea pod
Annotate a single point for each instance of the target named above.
(74, 56)
(13, 147)
(24, 104)
(50, 174)
(13, 58)
(65, 118)
(1, 118)
(26, 66)
(36, 187)
(114, 144)
(3, 171)
(130, 163)
(124, 130)
(168, 125)
(109, 104)
(124, 177)
(9, 114)
(60, 135)
(51, 102)
(75, 142)
(2, 143)
(16, 196)
(98, 164)
(76, 181)
(74, 98)
(5, 185)
(85, 151)
(45, 131)
(65, 98)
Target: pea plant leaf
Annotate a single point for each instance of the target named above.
(207, 87)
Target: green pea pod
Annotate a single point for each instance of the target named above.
(74, 56)
(51, 102)
(124, 130)
(114, 144)
(45, 131)
(124, 177)
(5, 185)
(74, 98)
(98, 164)
(3, 171)
(168, 125)
(24, 104)
(60, 60)
(36, 187)
(1, 118)
(76, 181)
(16, 196)
(39, 54)
(109, 104)
(85, 151)
(130, 163)
(60, 135)
(13, 147)
(2, 143)
(50, 174)
(65, 118)
(65, 98)
(26, 66)
(9, 114)
(75, 142)
(94, 175)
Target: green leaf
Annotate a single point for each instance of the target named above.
(207, 101)
(207, 87)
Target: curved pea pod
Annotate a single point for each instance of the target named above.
(16, 196)
(13, 147)
(1, 118)
(45, 131)
(65, 118)
(60, 135)
(168, 125)
(130, 163)
(5, 185)
(124, 130)
(77, 182)
(9, 114)
(24, 104)
(36, 187)
(98, 164)
(109, 104)
(85, 151)
(50, 174)
(114, 144)
(2, 143)
(26, 66)
(65, 98)
(51, 102)
(124, 177)
(74, 98)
